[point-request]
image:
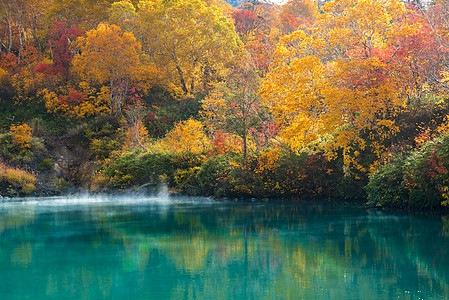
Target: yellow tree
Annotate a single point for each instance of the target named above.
(260, 27)
(338, 82)
(186, 136)
(84, 14)
(122, 14)
(111, 56)
(189, 42)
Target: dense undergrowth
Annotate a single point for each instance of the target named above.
(270, 174)
(417, 178)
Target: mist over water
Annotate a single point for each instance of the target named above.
(160, 247)
(86, 200)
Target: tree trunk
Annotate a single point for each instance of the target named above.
(112, 96)
(245, 149)
(183, 82)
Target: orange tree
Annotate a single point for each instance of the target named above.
(109, 56)
(338, 84)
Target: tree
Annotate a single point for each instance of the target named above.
(234, 105)
(432, 43)
(122, 14)
(84, 14)
(420, 58)
(60, 39)
(19, 23)
(136, 133)
(186, 136)
(245, 21)
(301, 8)
(260, 30)
(109, 55)
(189, 42)
(338, 82)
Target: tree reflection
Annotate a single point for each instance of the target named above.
(288, 250)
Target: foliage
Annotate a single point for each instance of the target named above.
(301, 8)
(189, 42)
(45, 165)
(21, 135)
(136, 133)
(103, 137)
(224, 143)
(418, 179)
(136, 168)
(273, 173)
(84, 14)
(213, 177)
(76, 104)
(346, 86)
(234, 105)
(386, 186)
(109, 56)
(161, 118)
(20, 154)
(336, 81)
(60, 38)
(186, 136)
(245, 21)
(17, 178)
(122, 14)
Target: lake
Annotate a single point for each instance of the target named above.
(134, 247)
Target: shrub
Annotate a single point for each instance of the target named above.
(21, 135)
(386, 187)
(45, 164)
(19, 154)
(418, 179)
(213, 176)
(185, 179)
(137, 168)
(18, 178)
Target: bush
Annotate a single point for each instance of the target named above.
(137, 168)
(102, 136)
(213, 177)
(418, 179)
(269, 174)
(45, 165)
(17, 178)
(386, 187)
(272, 173)
(17, 154)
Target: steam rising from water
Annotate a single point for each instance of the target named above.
(86, 200)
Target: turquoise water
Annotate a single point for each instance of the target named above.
(156, 248)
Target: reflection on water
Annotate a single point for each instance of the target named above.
(149, 248)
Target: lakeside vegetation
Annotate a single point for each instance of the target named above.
(345, 99)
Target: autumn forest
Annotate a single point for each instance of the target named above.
(341, 99)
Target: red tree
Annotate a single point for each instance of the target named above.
(244, 21)
(60, 39)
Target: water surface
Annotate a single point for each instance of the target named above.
(160, 248)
